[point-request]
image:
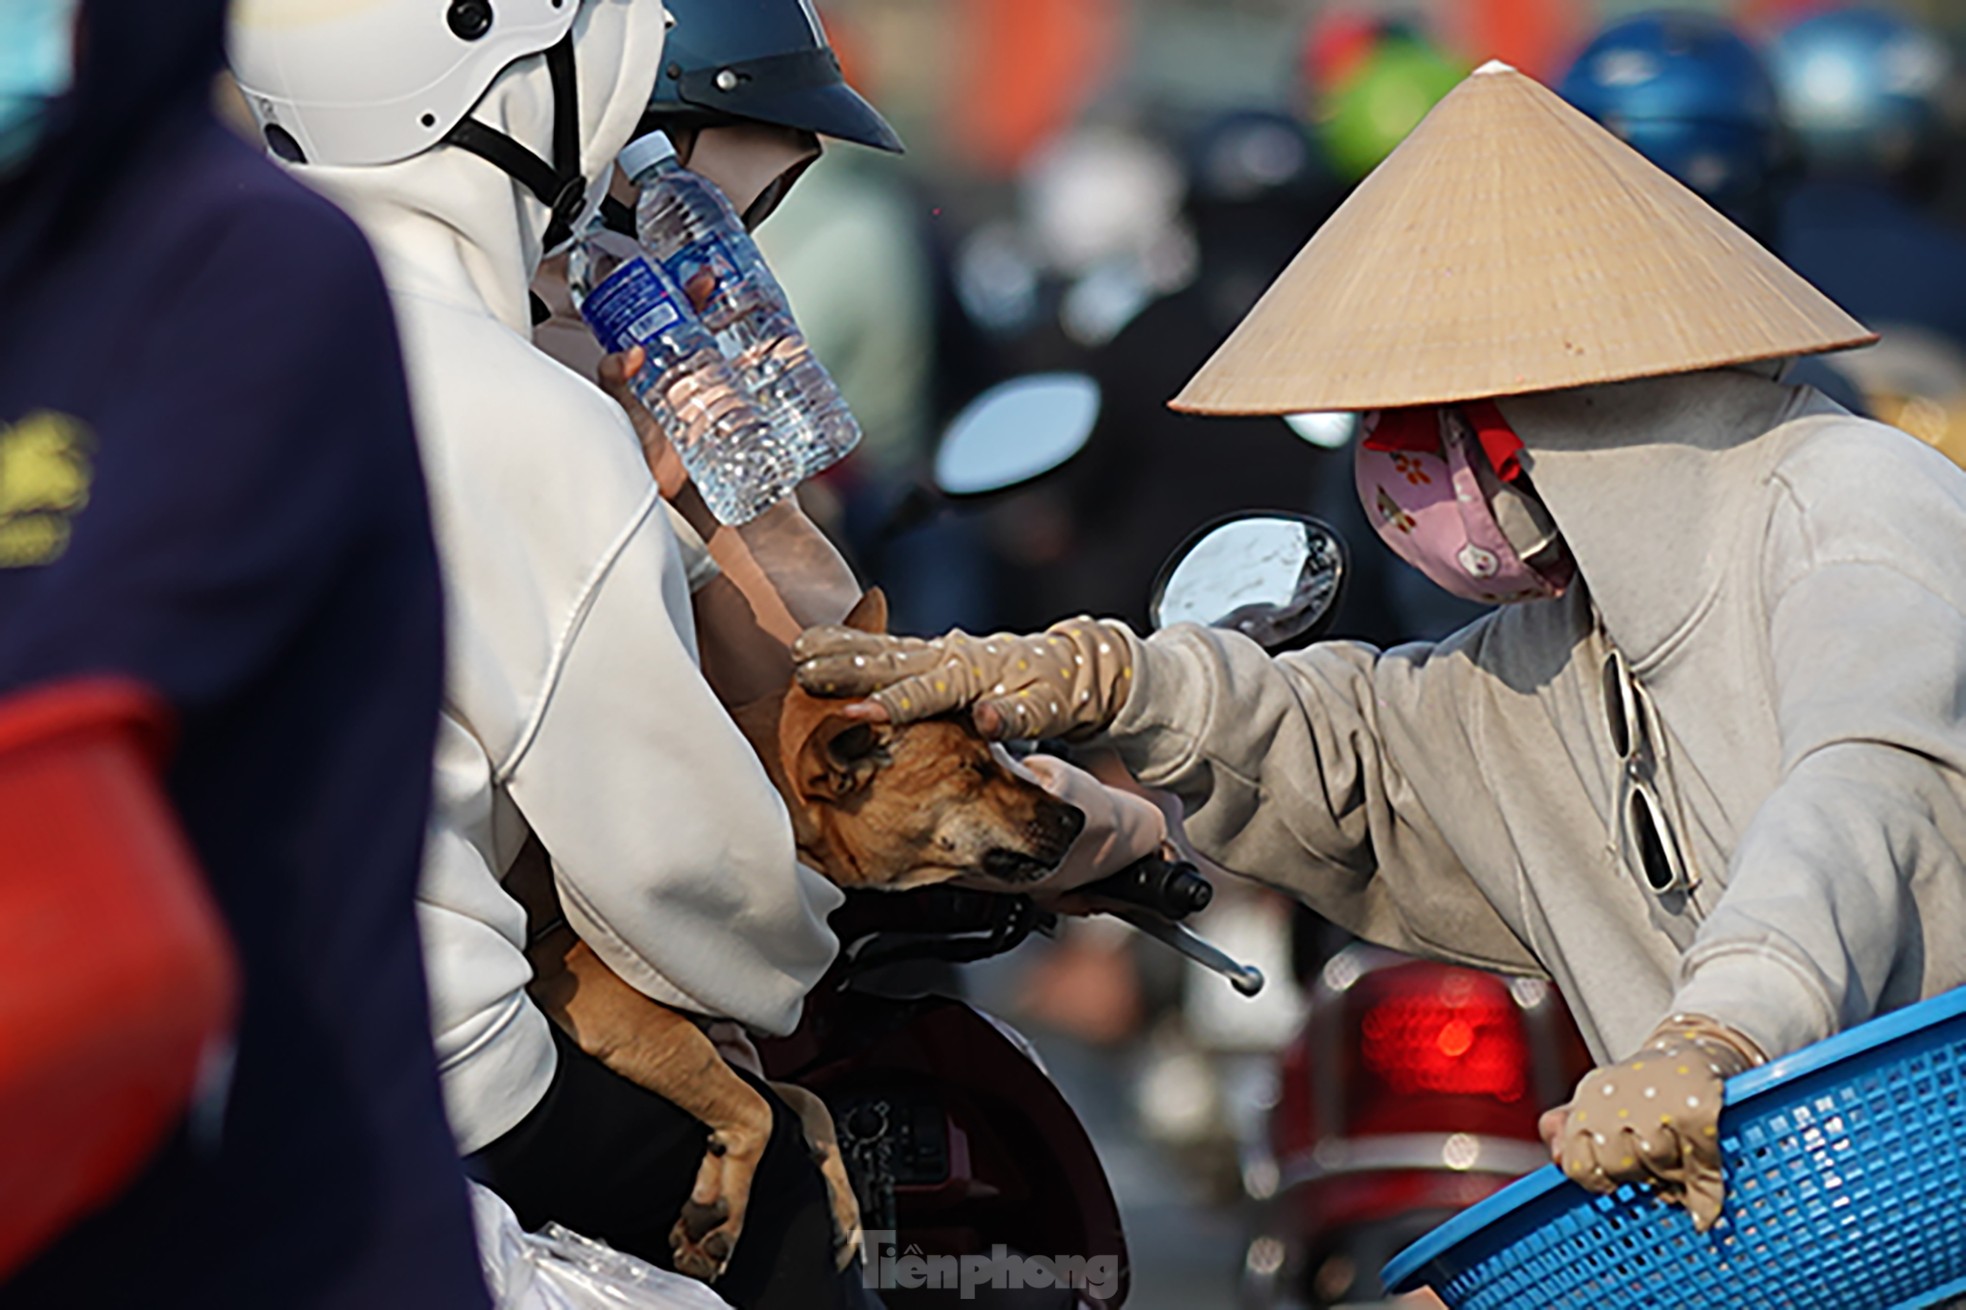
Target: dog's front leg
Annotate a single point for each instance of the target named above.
(660, 1049)
(825, 1143)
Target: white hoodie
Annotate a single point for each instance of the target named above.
(574, 707)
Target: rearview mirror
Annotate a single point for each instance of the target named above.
(1016, 432)
(1274, 577)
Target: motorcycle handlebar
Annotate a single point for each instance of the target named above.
(1171, 889)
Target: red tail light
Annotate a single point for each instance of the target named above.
(1429, 1047)
(1456, 1040)
(1415, 1084)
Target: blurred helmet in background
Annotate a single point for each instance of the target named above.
(1380, 95)
(1097, 193)
(1690, 94)
(768, 61)
(1102, 210)
(1866, 93)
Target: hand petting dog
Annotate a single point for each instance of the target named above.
(1121, 828)
(1068, 681)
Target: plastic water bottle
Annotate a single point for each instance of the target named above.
(724, 440)
(686, 222)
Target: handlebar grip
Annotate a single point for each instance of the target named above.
(1172, 889)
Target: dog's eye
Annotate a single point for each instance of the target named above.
(856, 743)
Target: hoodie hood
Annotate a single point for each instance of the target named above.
(450, 226)
(1638, 476)
(143, 71)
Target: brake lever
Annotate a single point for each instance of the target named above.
(1154, 895)
(1245, 978)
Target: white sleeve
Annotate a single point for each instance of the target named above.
(672, 852)
(698, 564)
(572, 664)
(494, 1048)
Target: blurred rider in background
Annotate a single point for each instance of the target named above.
(1255, 190)
(1368, 84)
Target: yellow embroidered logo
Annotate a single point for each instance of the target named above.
(44, 482)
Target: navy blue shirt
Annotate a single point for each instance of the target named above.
(208, 481)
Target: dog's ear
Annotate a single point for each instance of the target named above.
(841, 756)
(870, 613)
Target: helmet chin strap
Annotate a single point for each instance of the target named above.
(560, 185)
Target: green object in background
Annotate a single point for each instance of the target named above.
(1364, 116)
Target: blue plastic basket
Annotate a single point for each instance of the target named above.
(1846, 1190)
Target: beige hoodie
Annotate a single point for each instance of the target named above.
(1789, 584)
(574, 710)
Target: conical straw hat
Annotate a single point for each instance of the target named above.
(1510, 244)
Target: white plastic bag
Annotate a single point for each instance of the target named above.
(557, 1269)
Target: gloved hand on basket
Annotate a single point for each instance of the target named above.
(1068, 681)
(1655, 1118)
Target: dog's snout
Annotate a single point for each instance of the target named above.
(1045, 840)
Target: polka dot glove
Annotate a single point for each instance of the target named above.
(1069, 681)
(1655, 1117)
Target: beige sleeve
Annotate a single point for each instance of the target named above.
(1295, 771)
(1848, 885)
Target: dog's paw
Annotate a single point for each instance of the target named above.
(713, 1218)
(846, 1207)
(703, 1239)
(824, 1143)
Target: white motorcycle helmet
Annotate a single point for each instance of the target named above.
(363, 82)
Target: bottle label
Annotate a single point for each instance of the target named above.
(700, 267)
(631, 307)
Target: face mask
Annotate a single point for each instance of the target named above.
(37, 64)
(1421, 477)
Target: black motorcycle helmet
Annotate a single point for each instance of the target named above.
(764, 60)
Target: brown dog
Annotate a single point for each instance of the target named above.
(873, 805)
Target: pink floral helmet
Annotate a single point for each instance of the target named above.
(1420, 487)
